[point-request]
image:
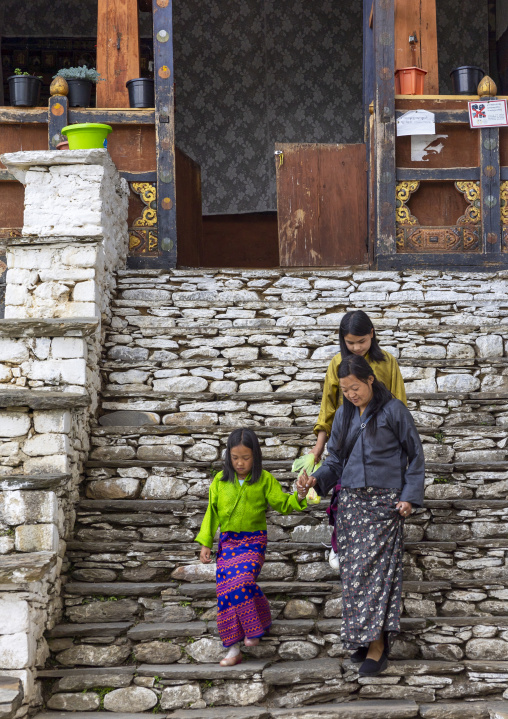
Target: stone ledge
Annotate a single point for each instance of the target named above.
(41, 399)
(18, 163)
(84, 630)
(198, 672)
(11, 482)
(35, 240)
(48, 327)
(25, 567)
(459, 710)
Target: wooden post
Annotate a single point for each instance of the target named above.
(165, 129)
(384, 127)
(117, 50)
(490, 189)
(57, 118)
(417, 19)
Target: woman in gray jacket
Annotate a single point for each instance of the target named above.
(376, 455)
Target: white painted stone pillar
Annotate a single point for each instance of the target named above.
(59, 282)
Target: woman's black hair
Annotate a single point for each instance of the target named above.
(359, 367)
(249, 439)
(358, 323)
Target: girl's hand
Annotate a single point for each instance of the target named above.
(319, 447)
(304, 483)
(404, 508)
(205, 555)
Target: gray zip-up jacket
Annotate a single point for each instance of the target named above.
(392, 458)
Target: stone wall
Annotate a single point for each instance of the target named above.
(59, 281)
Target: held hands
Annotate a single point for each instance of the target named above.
(205, 556)
(304, 483)
(404, 508)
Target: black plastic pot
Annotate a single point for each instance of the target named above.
(24, 90)
(465, 79)
(141, 92)
(80, 92)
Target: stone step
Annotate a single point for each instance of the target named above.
(11, 696)
(40, 399)
(19, 570)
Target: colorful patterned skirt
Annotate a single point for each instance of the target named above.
(243, 610)
(370, 543)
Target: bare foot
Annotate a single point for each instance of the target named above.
(231, 661)
(251, 641)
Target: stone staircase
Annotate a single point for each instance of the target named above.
(192, 354)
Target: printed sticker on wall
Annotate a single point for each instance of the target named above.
(424, 146)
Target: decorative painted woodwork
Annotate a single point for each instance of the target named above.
(504, 214)
(487, 87)
(143, 238)
(463, 237)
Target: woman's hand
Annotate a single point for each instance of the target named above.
(319, 447)
(205, 555)
(404, 508)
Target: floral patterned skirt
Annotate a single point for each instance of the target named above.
(243, 609)
(370, 543)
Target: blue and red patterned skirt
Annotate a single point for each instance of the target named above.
(243, 609)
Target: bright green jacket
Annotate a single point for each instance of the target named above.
(242, 508)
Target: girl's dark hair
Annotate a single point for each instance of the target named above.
(249, 439)
(361, 369)
(358, 323)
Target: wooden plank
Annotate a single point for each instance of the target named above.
(132, 148)
(417, 17)
(504, 173)
(250, 240)
(455, 146)
(165, 129)
(448, 173)
(368, 66)
(437, 204)
(491, 181)
(322, 205)
(23, 137)
(189, 210)
(117, 50)
(113, 116)
(14, 115)
(57, 119)
(12, 201)
(384, 126)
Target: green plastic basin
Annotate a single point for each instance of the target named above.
(87, 135)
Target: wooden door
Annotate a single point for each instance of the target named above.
(322, 205)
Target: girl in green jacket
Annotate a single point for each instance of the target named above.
(238, 500)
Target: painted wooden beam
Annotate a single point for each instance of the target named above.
(112, 116)
(384, 126)
(117, 50)
(57, 119)
(438, 173)
(16, 115)
(139, 176)
(444, 117)
(165, 129)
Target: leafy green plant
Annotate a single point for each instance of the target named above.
(80, 73)
(439, 436)
(20, 73)
(441, 480)
(184, 604)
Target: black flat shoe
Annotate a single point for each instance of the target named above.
(360, 655)
(371, 668)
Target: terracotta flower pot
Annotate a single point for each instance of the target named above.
(409, 81)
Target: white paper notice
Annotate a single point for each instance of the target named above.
(488, 113)
(416, 122)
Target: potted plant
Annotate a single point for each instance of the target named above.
(141, 92)
(24, 89)
(80, 80)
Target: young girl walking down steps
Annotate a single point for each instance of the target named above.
(238, 499)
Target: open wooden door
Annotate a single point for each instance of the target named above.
(322, 205)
